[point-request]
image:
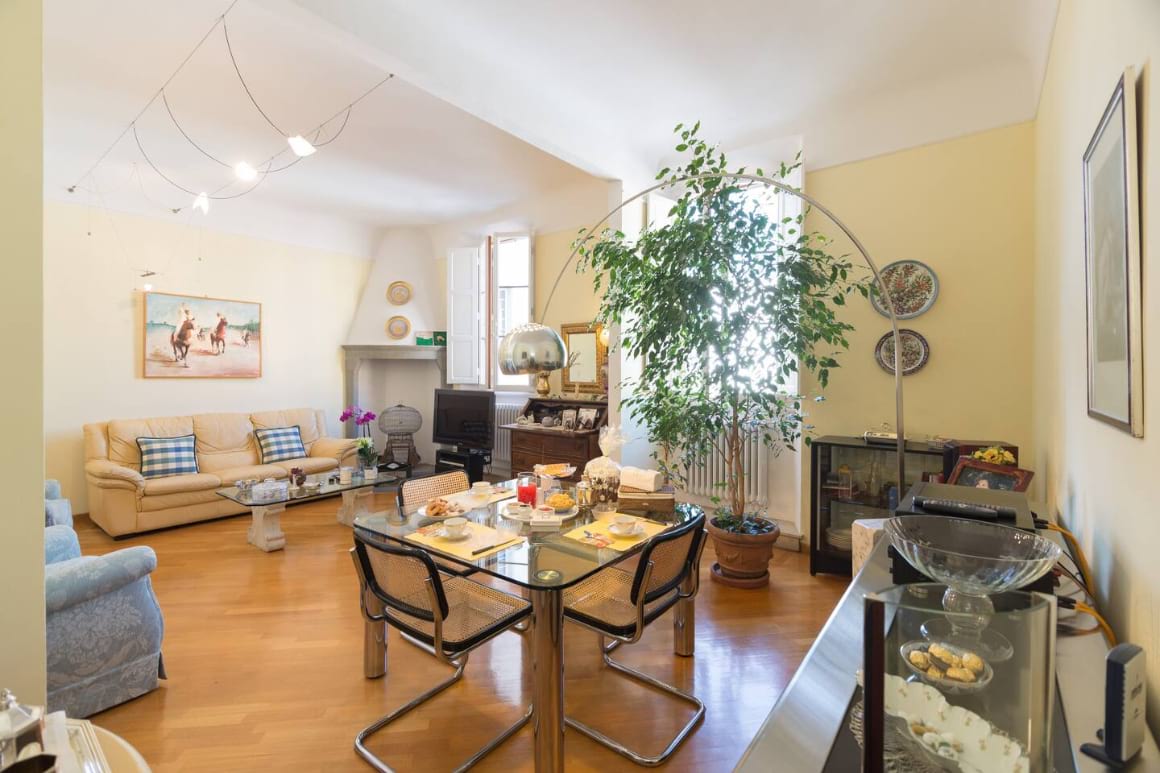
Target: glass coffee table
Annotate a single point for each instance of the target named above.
(266, 528)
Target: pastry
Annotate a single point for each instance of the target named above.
(919, 659)
(961, 674)
(437, 507)
(973, 662)
(934, 672)
(944, 657)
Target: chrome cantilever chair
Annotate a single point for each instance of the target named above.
(619, 605)
(451, 617)
(417, 491)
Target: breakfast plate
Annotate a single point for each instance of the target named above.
(453, 509)
(513, 512)
(555, 470)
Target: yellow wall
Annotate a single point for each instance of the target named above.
(963, 207)
(575, 300)
(1100, 480)
(92, 338)
(22, 656)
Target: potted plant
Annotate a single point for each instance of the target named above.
(724, 305)
(368, 457)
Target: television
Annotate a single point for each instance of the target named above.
(464, 418)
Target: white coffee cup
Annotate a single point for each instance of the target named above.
(481, 485)
(455, 527)
(344, 475)
(623, 524)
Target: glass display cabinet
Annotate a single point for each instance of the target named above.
(934, 704)
(851, 479)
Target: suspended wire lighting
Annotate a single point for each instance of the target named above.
(245, 172)
(298, 144)
(301, 146)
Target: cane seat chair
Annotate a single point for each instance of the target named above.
(418, 491)
(451, 616)
(619, 605)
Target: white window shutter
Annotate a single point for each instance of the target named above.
(464, 320)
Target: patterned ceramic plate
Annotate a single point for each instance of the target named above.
(913, 287)
(915, 352)
(399, 293)
(398, 327)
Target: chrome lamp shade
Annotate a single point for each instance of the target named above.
(531, 348)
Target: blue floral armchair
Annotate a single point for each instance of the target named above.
(104, 625)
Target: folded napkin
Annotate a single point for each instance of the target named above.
(597, 533)
(644, 480)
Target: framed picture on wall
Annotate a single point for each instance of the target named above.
(187, 336)
(1112, 257)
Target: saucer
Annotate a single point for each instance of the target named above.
(442, 534)
(618, 532)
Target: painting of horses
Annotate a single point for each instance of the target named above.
(188, 336)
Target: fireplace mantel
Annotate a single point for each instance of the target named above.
(354, 355)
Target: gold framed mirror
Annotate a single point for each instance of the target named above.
(588, 371)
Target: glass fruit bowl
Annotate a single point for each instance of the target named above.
(973, 559)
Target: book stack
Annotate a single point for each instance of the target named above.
(662, 500)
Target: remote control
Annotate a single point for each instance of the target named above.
(964, 509)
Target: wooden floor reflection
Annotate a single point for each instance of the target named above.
(265, 664)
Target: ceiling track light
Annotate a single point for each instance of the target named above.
(245, 172)
(301, 146)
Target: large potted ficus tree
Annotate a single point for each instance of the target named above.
(724, 305)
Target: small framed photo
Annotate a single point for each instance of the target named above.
(568, 418)
(1002, 477)
(586, 419)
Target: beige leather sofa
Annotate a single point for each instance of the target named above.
(121, 501)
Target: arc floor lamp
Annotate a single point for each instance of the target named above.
(534, 348)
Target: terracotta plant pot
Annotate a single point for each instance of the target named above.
(742, 559)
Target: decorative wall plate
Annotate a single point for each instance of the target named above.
(915, 352)
(398, 327)
(398, 293)
(913, 287)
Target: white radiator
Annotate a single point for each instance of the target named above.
(703, 477)
(505, 413)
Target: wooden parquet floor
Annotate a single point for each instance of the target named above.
(264, 654)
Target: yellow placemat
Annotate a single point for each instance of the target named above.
(481, 536)
(497, 495)
(597, 533)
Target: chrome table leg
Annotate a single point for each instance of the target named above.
(374, 631)
(355, 502)
(548, 670)
(374, 640)
(684, 622)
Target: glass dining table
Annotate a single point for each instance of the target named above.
(544, 563)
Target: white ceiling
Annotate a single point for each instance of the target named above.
(496, 102)
(602, 83)
(405, 157)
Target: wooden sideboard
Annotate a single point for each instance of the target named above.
(534, 444)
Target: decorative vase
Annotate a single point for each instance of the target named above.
(742, 559)
(543, 386)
